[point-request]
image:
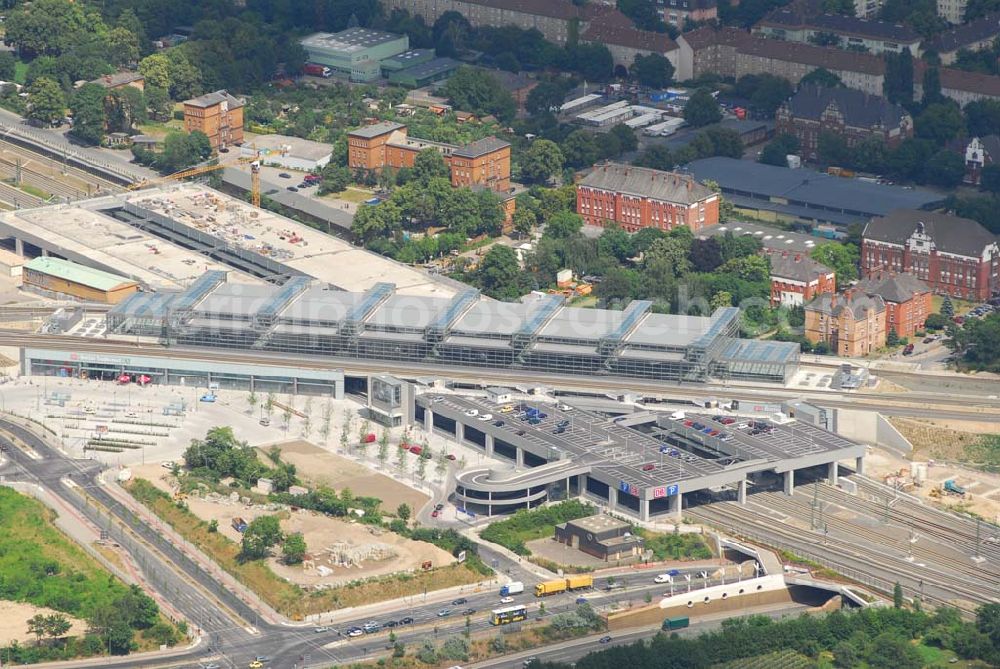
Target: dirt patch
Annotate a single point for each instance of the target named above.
(942, 439)
(14, 626)
(341, 551)
(316, 466)
(562, 554)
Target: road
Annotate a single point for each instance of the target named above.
(234, 631)
(915, 404)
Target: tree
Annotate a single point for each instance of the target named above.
(45, 102)
(769, 93)
(525, 221)
(8, 65)
(541, 161)
(401, 457)
(841, 258)
(947, 308)
(421, 467)
(87, 107)
(821, 77)
(832, 148)
(403, 512)
(336, 178)
(939, 122)
(891, 340)
(722, 298)
(626, 137)
(897, 589)
(37, 626)
(932, 86)
(990, 179)
(429, 164)
(846, 655)
(944, 168)
(563, 225)
(889, 651)
(56, 625)
(653, 70)
(579, 149)
(377, 221)
(477, 91)
(706, 254)
(702, 109)
(778, 150)
(499, 274)
(293, 550)
(671, 252)
(982, 117)
(898, 83)
(383, 448)
(122, 47)
(261, 534)
(871, 154)
(544, 98)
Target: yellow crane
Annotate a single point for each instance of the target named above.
(203, 169)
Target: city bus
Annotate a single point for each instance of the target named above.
(511, 614)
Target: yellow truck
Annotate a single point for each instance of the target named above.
(550, 587)
(578, 582)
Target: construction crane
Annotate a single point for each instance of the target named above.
(204, 169)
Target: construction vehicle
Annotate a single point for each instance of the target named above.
(550, 587)
(579, 582)
(953, 488)
(206, 168)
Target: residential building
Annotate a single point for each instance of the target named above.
(639, 197)
(219, 115)
(907, 301)
(972, 36)
(485, 162)
(851, 114)
(733, 53)
(795, 24)
(355, 53)
(852, 324)
(796, 279)
(602, 536)
(980, 152)
(121, 80)
(771, 193)
(952, 11)
(952, 255)
(558, 20)
(617, 32)
(62, 278)
(679, 12)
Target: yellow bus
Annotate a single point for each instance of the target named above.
(511, 614)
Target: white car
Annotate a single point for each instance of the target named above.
(355, 632)
(564, 407)
(486, 416)
(663, 578)
(472, 412)
(506, 600)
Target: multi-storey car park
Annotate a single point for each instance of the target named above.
(641, 464)
(537, 333)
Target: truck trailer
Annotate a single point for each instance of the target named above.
(550, 587)
(513, 588)
(579, 582)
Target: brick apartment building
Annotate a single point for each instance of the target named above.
(952, 255)
(907, 300)
(639, 197)
(485, 162)
(796, 279)
(972, 36)
(851, 324)
(851, 114)
(219, 115)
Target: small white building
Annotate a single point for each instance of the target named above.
(499, 395)
(293, 153)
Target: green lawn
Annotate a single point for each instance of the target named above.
(20, 72)
(961, 306)
(524, 525)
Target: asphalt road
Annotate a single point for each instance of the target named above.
(234, 633)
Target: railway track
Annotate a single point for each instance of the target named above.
(868, 564)
(49, 182)
(18, 197)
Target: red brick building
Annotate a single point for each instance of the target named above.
(219, 115)
(796, 279)
(849, 113)
(639, 197)
(952, 255)
(907, 300)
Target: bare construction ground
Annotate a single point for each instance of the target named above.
(14, 622)
(319, 467)
(340, 551)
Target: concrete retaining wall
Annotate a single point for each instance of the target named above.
(872, 428)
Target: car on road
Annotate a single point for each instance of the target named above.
(406, 621)
(321, 629)
(459, 601)
(256, 665)
(908, 350)
(558, 430)
(562, 423)
(262, 658)
(928, 340)
(506, 409)
(444, 613)
(662, 578)
(529, 661)
(485, 417)
(355, 632)
(285, 175)
(648, 467)
(450, 456)
(437, 399)
(519, 433)
(498, 423)
(438, 506)
(435, 513)
(604, 639)
(294, 189)
(564, 407)
(472, 412)
(371, 627)
(468, 612)
(390, 623)
(506, 600)
(211, 665)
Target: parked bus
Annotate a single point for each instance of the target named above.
(511, 614)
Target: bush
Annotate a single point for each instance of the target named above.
(526, 525)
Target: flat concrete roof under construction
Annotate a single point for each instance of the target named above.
(671, 455)
(294, 246)
(78, 233)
